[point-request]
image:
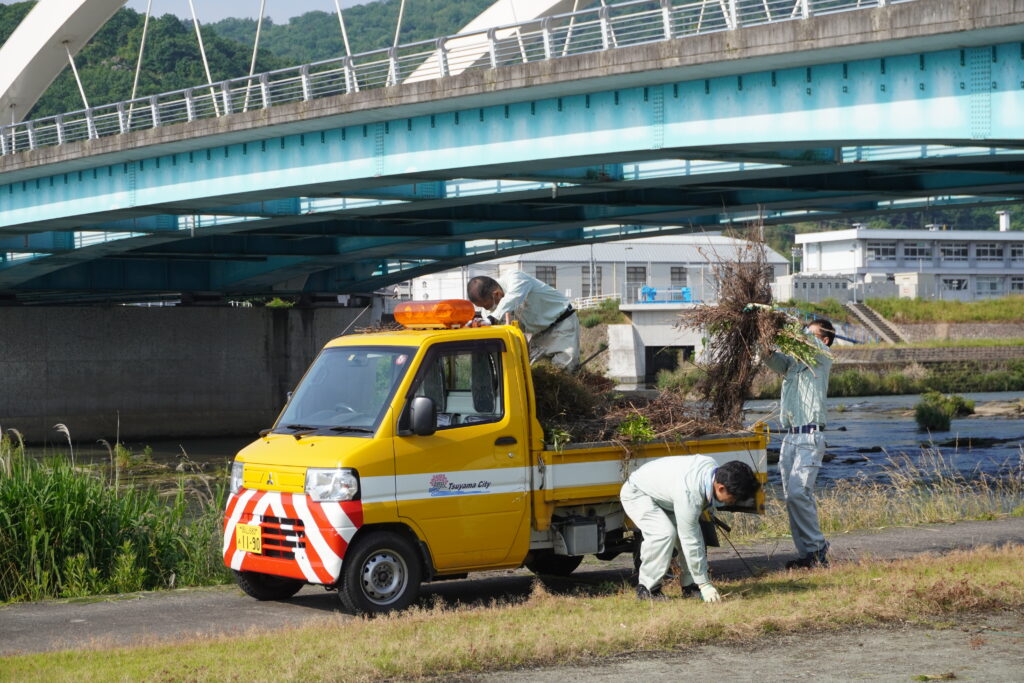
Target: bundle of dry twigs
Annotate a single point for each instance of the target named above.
(736, 332)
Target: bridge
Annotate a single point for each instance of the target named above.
(621, 120)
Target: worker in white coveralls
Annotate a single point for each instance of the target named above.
(802, 415)
(665, 499)
(543, 312)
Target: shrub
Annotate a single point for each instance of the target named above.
(591, 320)
(934, 411)
(853, 383)
(681, 380)
(931, 417)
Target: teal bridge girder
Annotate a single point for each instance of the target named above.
(381, 189)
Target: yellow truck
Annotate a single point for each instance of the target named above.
(416, 455)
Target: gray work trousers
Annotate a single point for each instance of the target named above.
(560, 344)
(799, 462)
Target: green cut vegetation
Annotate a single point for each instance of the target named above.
(566, 629)
(1007, 309)
(69, 531)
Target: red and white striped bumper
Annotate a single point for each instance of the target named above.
(300, 539)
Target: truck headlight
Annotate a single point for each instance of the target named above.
(237, 470)
(323, 485)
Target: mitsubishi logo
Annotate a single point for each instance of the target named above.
(270, 478)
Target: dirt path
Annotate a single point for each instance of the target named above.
(981, 648)
(172, 615)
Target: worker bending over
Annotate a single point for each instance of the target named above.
(665, 499)
(542, 311)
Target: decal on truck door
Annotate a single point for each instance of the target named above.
(296, 537)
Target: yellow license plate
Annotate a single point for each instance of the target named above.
(249, 538)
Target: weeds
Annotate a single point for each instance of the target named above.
(934, 411)
(1006, 309)
(921, 490)
(66, 531)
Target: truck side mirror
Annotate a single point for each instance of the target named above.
(423, 416)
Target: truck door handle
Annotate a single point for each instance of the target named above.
(505, 441)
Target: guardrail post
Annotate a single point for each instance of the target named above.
(58, 122)
(730, 20)
(190, 107)
(605, 29)
(90, 124)
(264, 90)
(493, 41)
(351, 84)
(666, 18)
(545, 31)
(392, 66)
(225, 96)
(307, 93)
(154, 110)
(442, 57)
(3, 140)
(883, 3)
(31, 130)
(805, 9)
(122, 124)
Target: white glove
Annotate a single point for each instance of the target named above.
(710, 593)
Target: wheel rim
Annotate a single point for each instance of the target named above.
(385, 577)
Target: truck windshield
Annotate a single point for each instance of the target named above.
(346, 391)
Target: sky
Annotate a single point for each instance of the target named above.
(215, 10)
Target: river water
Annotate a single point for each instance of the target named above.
(865, 434)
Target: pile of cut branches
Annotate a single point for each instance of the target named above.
(582, 407)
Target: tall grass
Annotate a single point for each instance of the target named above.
(913, 490)
(1008, 309)
(66, 531)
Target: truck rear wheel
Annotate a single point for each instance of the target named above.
(267, 586)
(380, 574)
(553, 565)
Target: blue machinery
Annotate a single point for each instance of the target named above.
(900, 108)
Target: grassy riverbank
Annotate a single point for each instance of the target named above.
(68, 531)
(920, 490)
(1009, 309)
(564, 629)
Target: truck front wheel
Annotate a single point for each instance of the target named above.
(553, 565)
(266, 586)
(380, 574)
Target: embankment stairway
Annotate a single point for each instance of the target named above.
(870, 318)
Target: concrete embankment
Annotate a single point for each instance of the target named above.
(145, 373)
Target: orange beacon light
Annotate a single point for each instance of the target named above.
(449, 313)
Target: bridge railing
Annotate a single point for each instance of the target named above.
(607, 27)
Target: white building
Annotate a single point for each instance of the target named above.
(664, 264)
(939, 264)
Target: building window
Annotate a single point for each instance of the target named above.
(954, 284)
(546, 274)
(636, 277)
(881, 251)
(917, 250)
(1017, 284)
(988, 251)
(585, 289)
(678, 276)
(1017, 252)
(988, 286)
(953, 251)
